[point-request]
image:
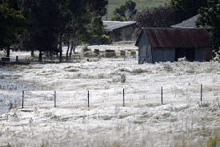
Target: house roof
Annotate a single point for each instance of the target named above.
(189, 23)
(114, 25)
(177, 37)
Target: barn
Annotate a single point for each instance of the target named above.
(170, 44)
(120, 31)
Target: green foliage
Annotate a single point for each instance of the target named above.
(116, 144)
(45, 21)
(210, 18)
(163, 16)
(184, 9)
(117, 17)
(11, 24)
(85, 49)
(213, 141)
(43, 145)
(187, 4)
(86, 24)
(125, 12)
(98, 6)
(43, 25)
(106, 39)
(52, 22)
(141, 5)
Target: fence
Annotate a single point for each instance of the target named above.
(91, 55)
(123, 97)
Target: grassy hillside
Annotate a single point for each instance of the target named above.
(141, 4)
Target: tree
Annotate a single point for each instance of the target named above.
(125, 12)
(187, 4)
(162, 16)
(52, 22)
(210, 18)
(44, 20)
(185, 9)
(11, 24)
(86, 23)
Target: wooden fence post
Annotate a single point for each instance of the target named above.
(201, 94)
(88, 98)
(54, 99)
(162, 95)
(22, 101)
(123, 97)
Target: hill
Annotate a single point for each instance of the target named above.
(141, 4)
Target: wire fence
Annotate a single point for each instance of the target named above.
(124, 97)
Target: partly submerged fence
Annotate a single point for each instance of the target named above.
(121, 97)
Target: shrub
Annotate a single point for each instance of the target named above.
(133, 53)
(85, 49)
(216, 56)
(122, 53)
(96, 51)
(106, 39)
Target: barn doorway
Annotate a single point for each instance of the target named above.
(189, 53)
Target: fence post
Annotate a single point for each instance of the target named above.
(22, 101)
(162, 95)
(201, 94)
(54, 99)
(123, 97)
(88, 98)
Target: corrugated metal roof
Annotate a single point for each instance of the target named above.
(177, 37)
(114, 25)
(189, 23)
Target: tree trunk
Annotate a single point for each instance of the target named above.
(67, 52)
(8, 52)
(72, 48)
(60, 47)
(51, 55)
(40, 56)
(61, 56)
(32, 53)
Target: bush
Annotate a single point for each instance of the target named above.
(85, 49)
(106, 39)
(96, 51)
(163, 16)
(122, 53)
(216, 55)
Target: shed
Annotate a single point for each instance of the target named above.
(169, 44)
(120, 30)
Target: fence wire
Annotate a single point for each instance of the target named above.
(115, 97)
